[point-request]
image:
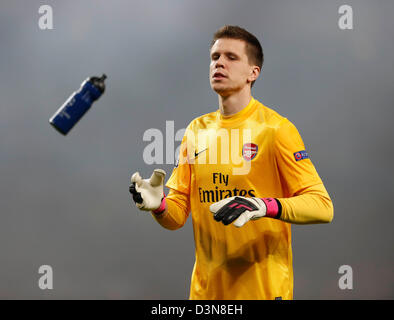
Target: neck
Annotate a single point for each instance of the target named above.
(231, 104)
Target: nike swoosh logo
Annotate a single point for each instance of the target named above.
(197, 153)
(195, 156)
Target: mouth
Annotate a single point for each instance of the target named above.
(218, 76)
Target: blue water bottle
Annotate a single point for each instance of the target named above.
(78, 104)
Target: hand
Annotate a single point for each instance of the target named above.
(148, 193)
(239, 209)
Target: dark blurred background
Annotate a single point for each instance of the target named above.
(64, 200)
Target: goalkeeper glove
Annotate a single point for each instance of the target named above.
(148, 194)
(242, 209)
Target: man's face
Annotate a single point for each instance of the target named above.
(230, 70)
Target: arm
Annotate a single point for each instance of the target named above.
(177, 208)
(305, 200)
(310, 205)
(170, 212)
(176, 205)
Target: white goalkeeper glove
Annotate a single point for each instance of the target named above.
(148, 194)
(241, 209)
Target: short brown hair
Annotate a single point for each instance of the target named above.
(254, 51)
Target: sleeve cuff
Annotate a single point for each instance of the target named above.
(274, 207)
(162, 207)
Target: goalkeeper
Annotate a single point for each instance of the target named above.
(242, 211)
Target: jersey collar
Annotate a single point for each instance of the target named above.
(237, 118)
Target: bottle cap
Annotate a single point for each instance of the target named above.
(99, 82)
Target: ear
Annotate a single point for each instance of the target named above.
(254, 73)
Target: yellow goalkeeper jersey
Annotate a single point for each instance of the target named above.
(253, 153)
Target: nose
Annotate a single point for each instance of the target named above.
(219, 62)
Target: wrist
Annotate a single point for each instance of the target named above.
(160, 210)
(274, 207)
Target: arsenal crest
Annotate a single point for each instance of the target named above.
(249, 151)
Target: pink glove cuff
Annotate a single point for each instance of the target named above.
(162, 207)
(272, 207)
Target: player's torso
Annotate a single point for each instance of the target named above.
(233, 159)
(238, 163)
(236, 160)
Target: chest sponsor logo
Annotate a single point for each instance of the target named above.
(249, 151)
